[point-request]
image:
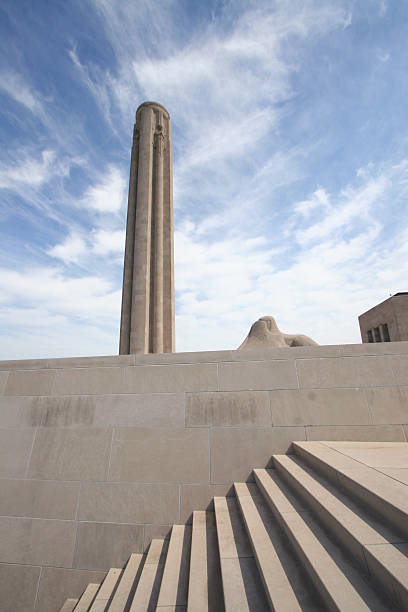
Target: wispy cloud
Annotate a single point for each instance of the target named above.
(352, 208)
(318, 199)
(15, 86)
(23, 170)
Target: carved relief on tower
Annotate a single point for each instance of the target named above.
(161, 132)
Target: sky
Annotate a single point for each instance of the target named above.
(290, 163)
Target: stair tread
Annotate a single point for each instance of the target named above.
(126, 583)
(242, 585)
(174, 584)
(352, 518)
(147, 590)
(367, 481)
(69, 605)
(277, 584)
(395, 559)
(87, 597)
(337, 581)
(205, 586)
(355, 529)
(106, 589)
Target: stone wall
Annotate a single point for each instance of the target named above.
(100, 454)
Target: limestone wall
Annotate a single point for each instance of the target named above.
(100, 454)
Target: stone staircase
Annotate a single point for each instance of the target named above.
(320, 530)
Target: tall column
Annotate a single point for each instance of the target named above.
(147, 321)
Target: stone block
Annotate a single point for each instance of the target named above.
(38, 498)
(90, 362)
(68, 411)
(18, 587)
(57, 584)
(23, 364)
(160, 455)
(368, 433)
(319, 407)
(278, 374)
(186, 357)
(70, 454)
(292, 352)
(22, 411)
(89, 381)
(388, 405)
(234, 409)
(129, 502)
(399, 364)
(105, 545)
(15, 449)
(3, 381)
(32, 541)
(344, 372)
(30, 382)
(171, 378)
(234, 452)
(127, 410)
(374, 348)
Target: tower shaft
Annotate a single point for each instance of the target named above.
(147, 320)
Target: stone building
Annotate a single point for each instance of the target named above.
(386, 322)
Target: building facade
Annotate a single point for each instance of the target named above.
(386, 322)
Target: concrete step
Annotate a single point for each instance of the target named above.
(147, 590)
(87, 597)
(295, 539)
(338, 583)
(242, 586)
(383, 495)
(205, 585)
(277, 584)
(69, 605)
(374, 546)
(174, 584)
(127, 584)
(106, 590)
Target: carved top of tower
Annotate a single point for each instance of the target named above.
(155, 105)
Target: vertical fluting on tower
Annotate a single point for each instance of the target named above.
(147, 320)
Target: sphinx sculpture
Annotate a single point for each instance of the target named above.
(265, 333)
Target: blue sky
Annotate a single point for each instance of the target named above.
(290, 143)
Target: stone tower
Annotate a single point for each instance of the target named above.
(147, 320)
